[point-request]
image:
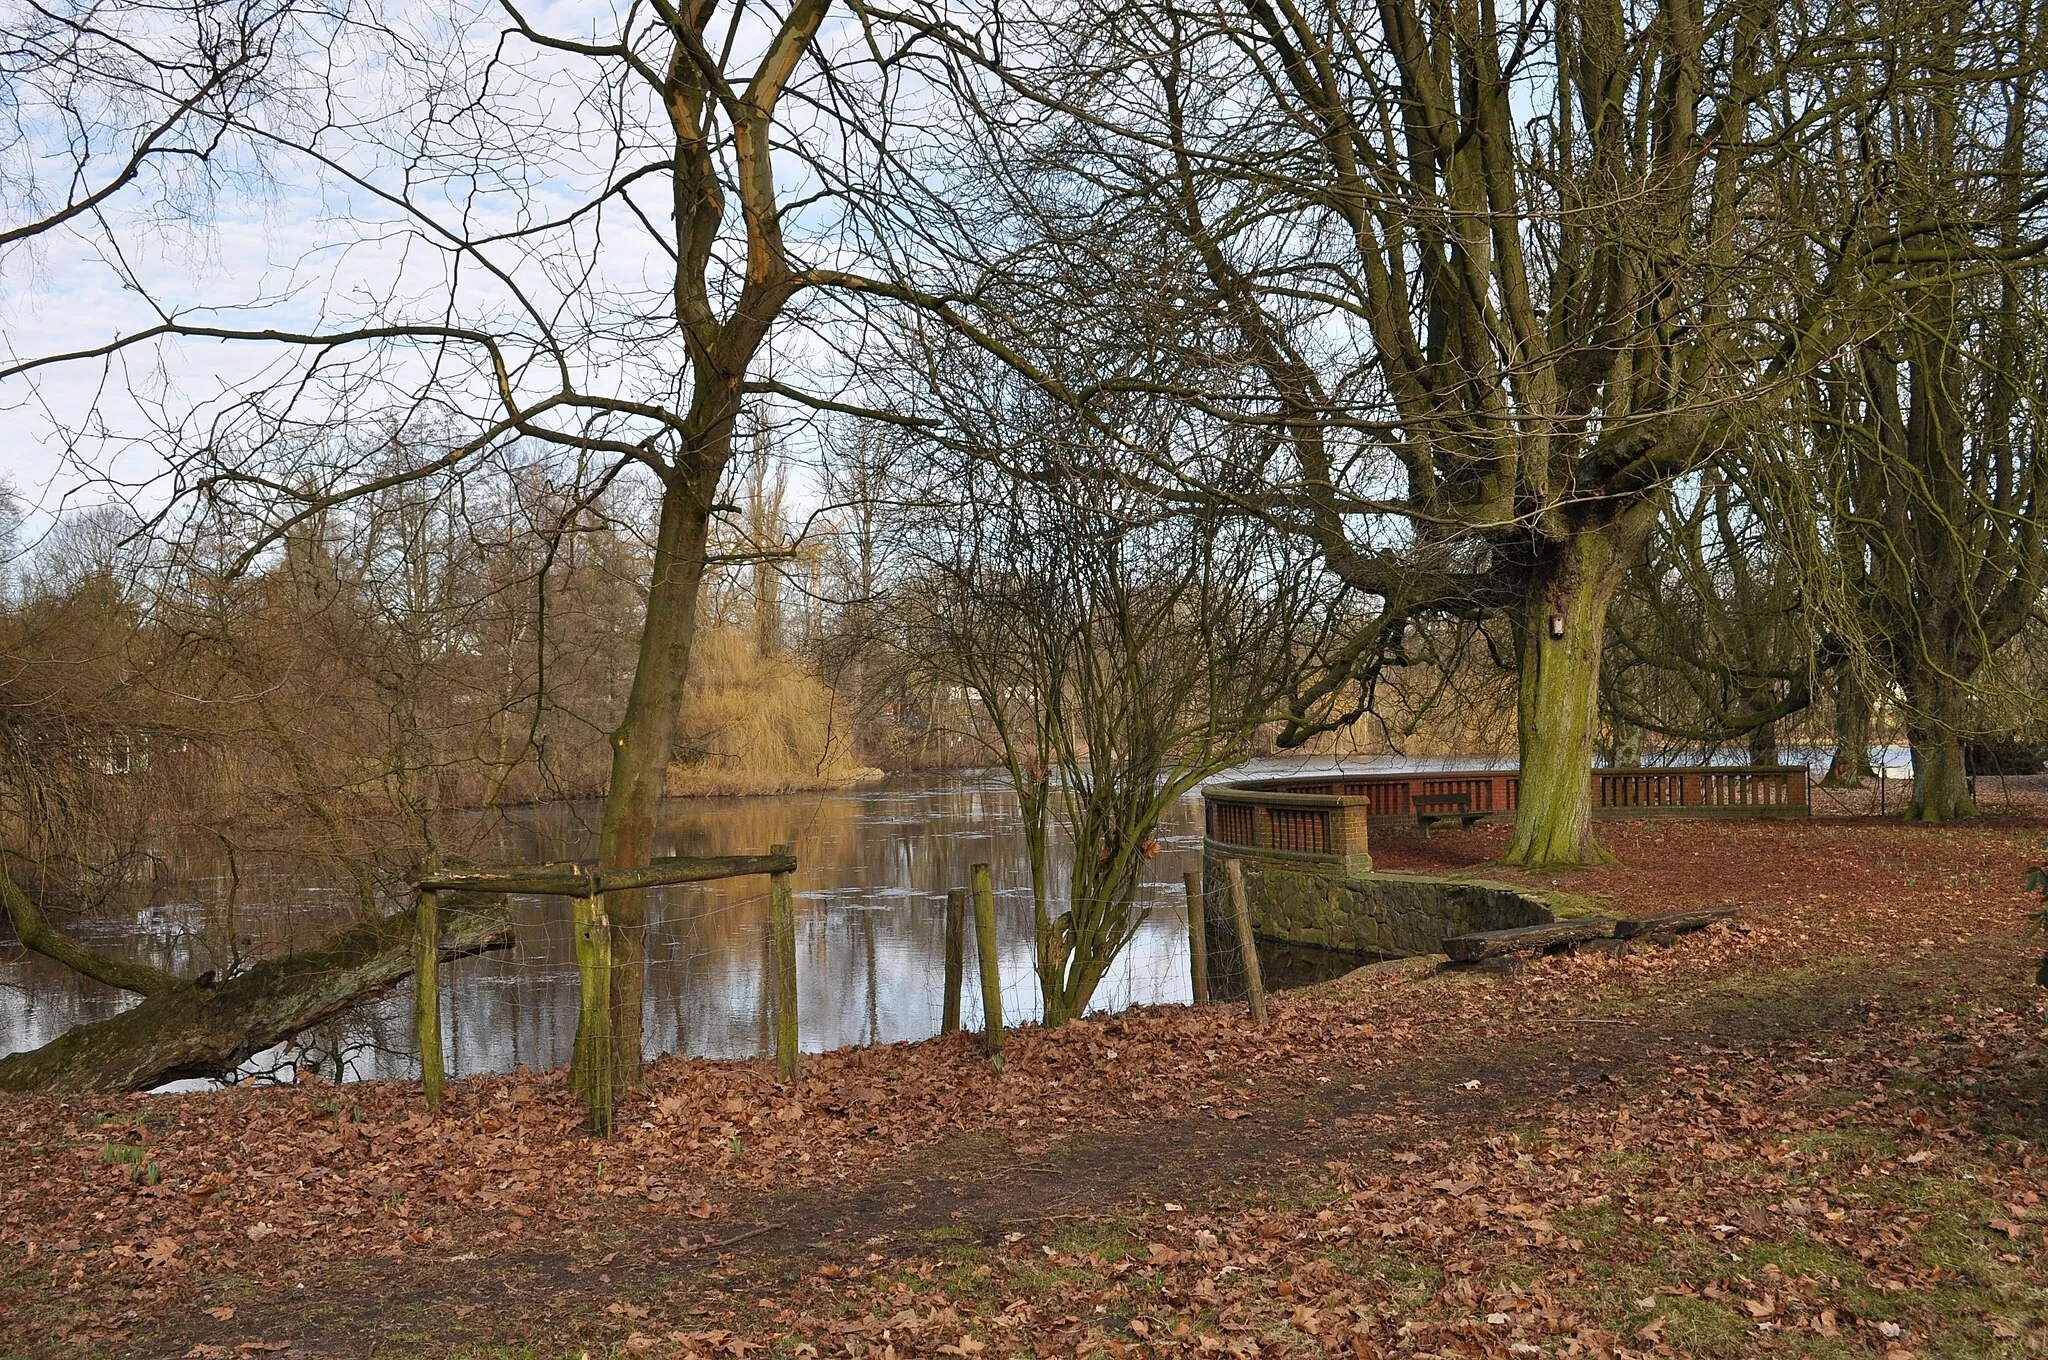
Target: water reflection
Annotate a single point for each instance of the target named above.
(874, 868)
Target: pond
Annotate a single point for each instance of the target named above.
(875, 864)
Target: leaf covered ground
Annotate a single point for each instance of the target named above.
(1816, 1134)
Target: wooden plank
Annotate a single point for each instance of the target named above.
(1671, 922)
(591, 1062)
(576, 881)
(547, 882)
(426, 998)
(1485, 944)
(695, 869)
(1198, 937)
(956, 960)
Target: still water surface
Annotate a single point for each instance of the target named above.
(874, 865)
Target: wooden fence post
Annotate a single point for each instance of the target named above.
(782, 907)
(1198, 937)
(991, 975)
(956, 959)
(592, 1065)
(426, 995)
(1247, 943)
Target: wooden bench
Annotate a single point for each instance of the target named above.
(1671, 922)
(1431, 808)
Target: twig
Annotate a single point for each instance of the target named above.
(1043, 1218)
(741, 1237)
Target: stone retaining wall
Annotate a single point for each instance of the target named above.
(1310, 901)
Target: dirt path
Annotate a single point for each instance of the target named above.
(975, 1191)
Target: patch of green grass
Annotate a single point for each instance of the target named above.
(1702, 1327)
(1599, 1226)
(1411, 1281)
(946, 1234)
(1111, 1238)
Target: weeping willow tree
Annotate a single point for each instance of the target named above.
(1709, 642)
(1915, 485)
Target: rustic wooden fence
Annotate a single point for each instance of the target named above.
(586, 885)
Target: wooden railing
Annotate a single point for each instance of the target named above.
(586, 885)
(1319, 815)
(1711, 790)
(1311, 824)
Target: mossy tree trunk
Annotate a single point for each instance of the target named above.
(1850, 766)
(1941, 782)
(641, 747)
(203, 1027)
(1562, 631)
(717, 176)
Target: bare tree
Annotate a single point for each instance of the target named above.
(1709, 642)
(1120, 649)
(609, 253)
(1493, 278)
(1924, 428)
(102, 97)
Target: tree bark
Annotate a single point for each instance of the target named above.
(1564, 627)
(1850, 767)
(200, 1029)
(1941, 785)
(1763, 744)
(642, 745)
(35, 932)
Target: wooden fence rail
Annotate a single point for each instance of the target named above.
(586, 884)
(1327, 817)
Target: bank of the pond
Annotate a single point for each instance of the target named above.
(341, 1219)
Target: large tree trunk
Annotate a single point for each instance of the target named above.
(1763, 744)
(1850, 767)
(1941, 785)
(642, 745)
(1624, 743)
(1564, 627)
(200, 1029)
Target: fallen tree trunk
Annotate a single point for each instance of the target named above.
(200, 1028)
(1671, 922)
(1486, 944)
(35, 932)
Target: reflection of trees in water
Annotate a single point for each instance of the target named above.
(874, 867)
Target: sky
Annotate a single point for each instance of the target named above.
(281, 240)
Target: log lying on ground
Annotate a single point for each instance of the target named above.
(202, 1029)
(1671, 922)
(1486, 944)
